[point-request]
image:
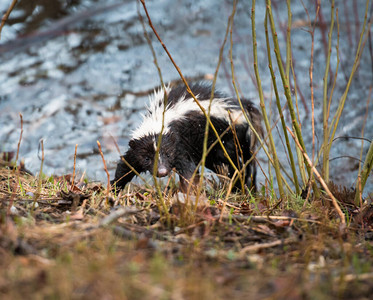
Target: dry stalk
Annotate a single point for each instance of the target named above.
(257, 247)
(325, 186)
(334, 123)
(107, 172)
(262, 106)
(234, 81)
(325, 165)
(73, 179)
(323, 26)
(337, 67)
(358, 195)
(270, 66)
(357, 22)
(6, 15)
(37, 194)
(348, 23)
(286, 85)
(127, 163)
(355, 277)
(228, 194)
(161, 202)
(16, 170)
(205, 139)
(264, 219)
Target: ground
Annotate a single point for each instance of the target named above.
(59, 240)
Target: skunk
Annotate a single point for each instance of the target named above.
(183, 135)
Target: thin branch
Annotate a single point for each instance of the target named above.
(73, 179)
(325, 186)
(283, 124)
(187, 86)
(16, 170)
(107, 172)
(6, 15)
(262, 106)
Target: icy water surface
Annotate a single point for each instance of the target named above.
(80, 71)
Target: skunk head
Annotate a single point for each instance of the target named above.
(144, 150)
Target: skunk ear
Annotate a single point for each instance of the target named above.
(132, 144)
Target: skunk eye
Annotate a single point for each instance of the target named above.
(168, 155)
(147, 159)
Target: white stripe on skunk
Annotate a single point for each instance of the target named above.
(183, 134)
(152, 120)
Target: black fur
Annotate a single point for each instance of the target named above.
(182, 146)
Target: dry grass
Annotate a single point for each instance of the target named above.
(75, 244)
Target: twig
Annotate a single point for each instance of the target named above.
(226, 76)
(334, 123)
(337, 67)
(325, 186)
(355, 137)
(262, 106)
(371, 49)
(160, 201)
(311, 87)
(16, 170)
(359, 193)
(126, 162)
(37, 194)
(270, 66)
(257, 247)
(285, 83)
(325, 165)
(20, 137)
(263, 219)
(355, 277)
(286, 33)
(107, 172)
(357, 22)
(247, 69)
(6, 15)
(348, 23)
(205, 151)
(73, 179)
(323, 28)
(115, 215)
(235, 88)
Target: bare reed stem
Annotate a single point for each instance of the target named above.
(262, 106)
(159, 141)
(126, 162)
(16, 170)
(73, 179)
(290, 153)
(288, 40)
(325, 165)
(205, 139)
(106, 170)
(234, 81)
(37, 194)
(334, 123)
(364, 173)
(318, 176)
(285, 81)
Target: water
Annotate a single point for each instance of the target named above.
(79, 72)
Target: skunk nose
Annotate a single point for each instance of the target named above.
(162, 171)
